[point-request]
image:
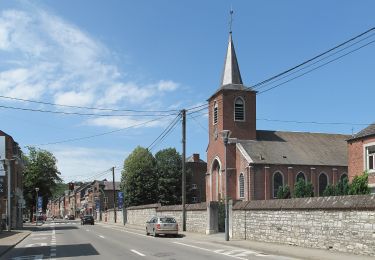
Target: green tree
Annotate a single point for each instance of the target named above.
(340, 189)
(303, 189)
(40, 172)
(283, 192)
(168, 167)
(139, 178)
(359, 185)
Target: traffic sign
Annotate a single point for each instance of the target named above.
(2, 169)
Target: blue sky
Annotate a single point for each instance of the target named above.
(168, 55)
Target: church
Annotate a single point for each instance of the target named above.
(245, 163)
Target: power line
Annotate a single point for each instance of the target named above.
(165, 132)
(101, 134)
(79, 114)
(314, 58)
(311, 70)
(89, 108)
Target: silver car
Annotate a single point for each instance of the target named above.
(162, 225)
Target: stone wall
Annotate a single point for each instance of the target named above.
(345, 224)
(196, 215)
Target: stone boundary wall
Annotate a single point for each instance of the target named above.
(344, 223)
(196, 215)
(110, 218)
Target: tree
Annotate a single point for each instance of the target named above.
(139, 178)
(359, 185)
(40, 172)
(303, 189)
(283, 192)
(340, 189)
(168, 167)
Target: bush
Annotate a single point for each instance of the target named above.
(283, 192)
(303, 189)
(359, 185)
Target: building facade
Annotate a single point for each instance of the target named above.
(197, 185)
(253, 163)
(361, 155)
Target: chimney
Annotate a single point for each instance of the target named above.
(196, 157)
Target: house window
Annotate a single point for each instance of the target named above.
(370, 158)
(242, 185)
(323, 182)
(277, 183)
(194, 199)
(239, 109)
(194, 186)
(215, 113)
(301, 175)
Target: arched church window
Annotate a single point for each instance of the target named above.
(323, 183)
(239, 109)
(302, 176)
(215, 113)
(241, 182)
(277, 183)
(343, 177)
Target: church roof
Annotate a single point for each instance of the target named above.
(297, 148)
(370, 130)
(231, 72)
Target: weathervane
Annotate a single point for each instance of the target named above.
(231, 20)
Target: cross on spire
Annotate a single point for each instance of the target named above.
(231, 20)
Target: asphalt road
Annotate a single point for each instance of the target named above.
(70, 240)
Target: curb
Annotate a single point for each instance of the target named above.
(12, 246)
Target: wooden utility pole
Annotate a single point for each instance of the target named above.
(114, 193)
(183, 113)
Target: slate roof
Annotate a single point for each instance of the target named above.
(370, 130)
(297, 148)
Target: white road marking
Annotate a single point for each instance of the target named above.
(36, 244)
(101, 236)
(38, 238)
(87, 230)
(28, 257)
(206, 249)
(138, 253)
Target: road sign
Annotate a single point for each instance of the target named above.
(97, 205)
(2, 188)
(2, 148)
(40, 204)
(120, 199)
(2, 169)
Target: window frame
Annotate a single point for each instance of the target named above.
(215, 118)
(327, 178)
(274, 194)
(241, 186)
(367, 158)
(243, 109)
(304, 176)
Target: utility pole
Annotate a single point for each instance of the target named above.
(9, 209)
(183, 113)
(114, 193)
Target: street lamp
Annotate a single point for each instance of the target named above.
(36, 207)
(225, 135)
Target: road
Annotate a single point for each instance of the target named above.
(70, 240)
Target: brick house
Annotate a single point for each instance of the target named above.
(259, 162)
(361, 154)
(198, 169)
(11, 160)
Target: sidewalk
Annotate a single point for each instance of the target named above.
(267, 248)
(9, 239)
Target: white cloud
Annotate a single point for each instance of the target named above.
(48, 58)
(77, 163)
(73, 98)
(124, 122)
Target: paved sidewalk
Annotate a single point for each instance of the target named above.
(9, 239)
(268, 248)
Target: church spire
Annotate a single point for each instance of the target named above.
(231, 73)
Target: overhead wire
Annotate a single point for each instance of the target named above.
(166, 131)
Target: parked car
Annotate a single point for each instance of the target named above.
(162, 225)
(87, 219)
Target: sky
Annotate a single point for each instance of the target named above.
(141, 62)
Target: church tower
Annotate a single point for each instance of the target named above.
(232, 107)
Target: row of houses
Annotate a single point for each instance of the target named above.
(93, 198)
(11, 196)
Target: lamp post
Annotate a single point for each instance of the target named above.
(36, 207)
(225, 135)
